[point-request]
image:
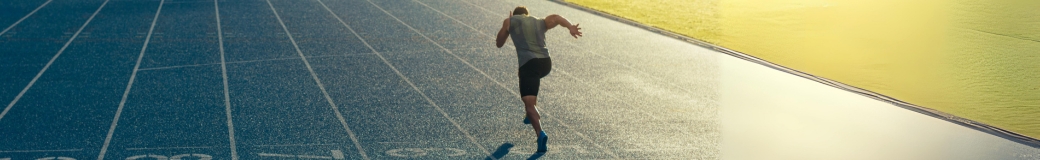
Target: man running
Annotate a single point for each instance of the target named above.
(529, 38)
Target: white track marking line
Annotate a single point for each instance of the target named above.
(291, 58)
(165, 148)
(276, 155)
(23, 18)
(175, 67)
(586, 138)
(45, 67)
(607, 58)
(321, 86)
(295, 145)
(32, 151)
(277, 59)
(251, 61)
(223, 74)
(294, 156)
(130, 84)
(445, 114)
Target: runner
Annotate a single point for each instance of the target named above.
(529, 38)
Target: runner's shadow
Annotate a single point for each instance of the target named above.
(502, 151)
(536, 155)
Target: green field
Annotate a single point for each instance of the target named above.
(974, 59)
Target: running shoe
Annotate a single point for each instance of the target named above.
(527, 120)
(542, 140)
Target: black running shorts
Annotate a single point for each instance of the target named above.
(531, 74)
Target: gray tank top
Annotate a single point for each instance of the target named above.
(528, 35)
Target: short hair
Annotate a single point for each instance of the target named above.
(520, 10)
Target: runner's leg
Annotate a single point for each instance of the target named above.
(532, 113)
(530, 78)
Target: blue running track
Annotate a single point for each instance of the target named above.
(336, 79)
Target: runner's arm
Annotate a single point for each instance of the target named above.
(552, 20)
(503, 34)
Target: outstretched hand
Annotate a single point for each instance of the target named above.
(575, 30)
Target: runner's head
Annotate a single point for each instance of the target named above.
(520, 10)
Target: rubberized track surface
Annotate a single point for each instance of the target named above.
(334, 79)
(412, 79)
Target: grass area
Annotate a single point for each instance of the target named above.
(972, 59)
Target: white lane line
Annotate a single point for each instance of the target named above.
(317, 80)
(34, 151)
(129, 85)
(175, 67)
(445, 114)
(295, 145)
(296, 156)
(23, 18)
(223, 74)
(276, 155)
(164, 148)
(605, 57)
(251, 61)
(661, 149)
(291, 58)
(565, 125)
(45, 67)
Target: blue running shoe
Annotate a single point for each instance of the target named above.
(527, 120)
(542, 140)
